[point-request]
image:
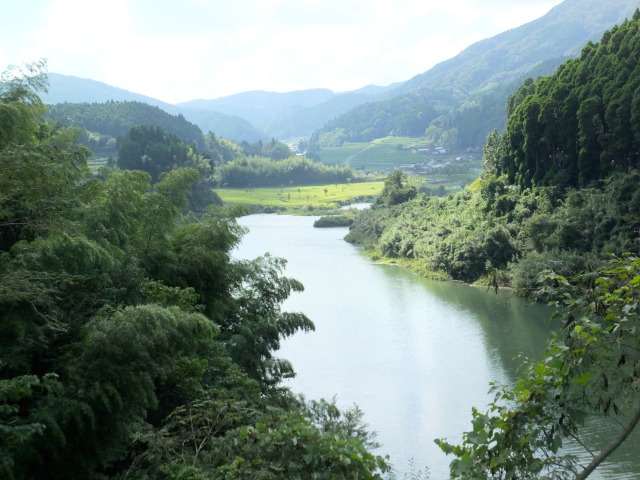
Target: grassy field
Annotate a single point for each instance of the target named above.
(315, 196)
(382, 154)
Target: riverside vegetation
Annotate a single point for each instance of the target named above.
(131, 344)
(554, 214)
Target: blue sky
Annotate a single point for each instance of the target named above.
(187, 49)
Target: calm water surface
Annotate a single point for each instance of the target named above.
(416, 355)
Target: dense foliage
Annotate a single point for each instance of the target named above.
(152, 150)
(155, 151)
(274, 149)
(500, 229)
(590, 368)
(131, 344)
(246, 172)
(581, 124)
(103, 123)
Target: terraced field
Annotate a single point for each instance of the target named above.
(450, 172)
(382, 154)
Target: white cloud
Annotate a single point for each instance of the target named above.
(514, 17)
(177, 51)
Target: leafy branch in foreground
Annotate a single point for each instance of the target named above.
(591, 367)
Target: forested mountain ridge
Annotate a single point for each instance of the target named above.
(69, 89)
(581, 124)
(72, 89)
(111, 120)
(562, 32)
(474, 80)
(576, 128)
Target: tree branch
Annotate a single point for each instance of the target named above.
(633, 422)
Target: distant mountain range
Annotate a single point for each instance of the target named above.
(247, 116)
(448, 100)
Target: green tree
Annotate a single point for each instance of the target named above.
(223, 440)
(20, 106)
(396, 190)
(119, 307)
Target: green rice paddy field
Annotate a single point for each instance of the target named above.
(315, 196)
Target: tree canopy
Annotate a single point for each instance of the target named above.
(579, 125)
(131, 344)
(112, 120)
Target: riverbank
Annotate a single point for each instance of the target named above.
(417, 267)
(435, 346)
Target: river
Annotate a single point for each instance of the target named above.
(414, 354)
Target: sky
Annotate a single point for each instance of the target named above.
(180, 50)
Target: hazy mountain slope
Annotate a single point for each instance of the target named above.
(561, 32)
(301, 122)
(290, 114)
(472, 77)
(115, 119)
(70, 89)
(258, 106)
(226, 126)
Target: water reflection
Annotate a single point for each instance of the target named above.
(415, 355)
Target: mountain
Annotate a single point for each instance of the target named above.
(257, 106)
(251, 116)
(456, 103)
(562, 32)
(289, 114)
(468, 92)
(115, 119)
(70, 89)
(300, 122)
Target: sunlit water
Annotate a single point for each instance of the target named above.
(416, 355)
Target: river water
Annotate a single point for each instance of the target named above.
(414, 354)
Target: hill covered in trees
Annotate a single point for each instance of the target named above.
(557, 189)
(104, 123)
(65, 89)
(581, 124)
